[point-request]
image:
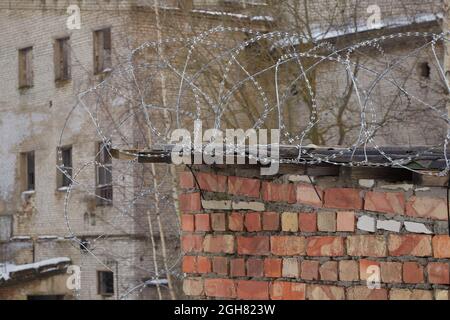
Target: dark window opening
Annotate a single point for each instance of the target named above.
(105, 283)
(65, 167)
(425, 70)
(30, 183)
(62, 59)
(102, 51)
(104, 188)
(26, 67)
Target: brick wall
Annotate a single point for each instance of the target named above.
(247, 238)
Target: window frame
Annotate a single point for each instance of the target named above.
(101, 287)
(63, 182)
(25, 68)
(62, 59)
(104, 168)
(102, 49)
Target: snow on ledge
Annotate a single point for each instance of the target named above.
(7, 269)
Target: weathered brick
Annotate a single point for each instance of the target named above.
(220, 288)
(287, 245)
(438, 272)
(278, 192)
(255, 268)
(425, 207)
(272, 267)
(281, 290)
(186, 180)
(441, 246)
(306, 194)
(325, 246)
(364, 293)
(443, 295)
(310, 270)
(368, 268)
(248, 205)
(187, 222)
(202, 222)
(212, 182)
(348, 270)
(345, 221)
(386, 202)
(326, 221)
(289, 221)
(412, 272)
(244, 186)
(192, 243)
(409, 245)
(307, 222)
(391, 272)
(220, 265)
(190, 202)
(193, 286)
(291, 268)
(219, 244)
(271, 221)
(252, 290)
(328, 271)
(407, 294)
(253, 245)
(343, 198)
(218, 221)
(366, 246)
(236, 221)
(189, 264)
(323, 292)
(237, 267)
(203, 264)
(216, 204)
(252, 221)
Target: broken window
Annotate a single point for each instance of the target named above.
(102, 51)
(104, 175)
(62, 59)
(425, 70)
(27, 171)
(26, 67)
(105, 283)
(65, 166)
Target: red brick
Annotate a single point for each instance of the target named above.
(237, 267)
(272, 267)
(345, 221)
(364, 293)
(281, 290)
(425, 207)
(203, 264)
(412, 272)
(409, 245)
(323, 292)
(253, 245)
(193, 286)
(328, 271)
(366, 246)
(189, 264)
(441, 247)
(244, 187)
(391, 272)
(220, 265)
(307, 222)
(219, 244)
(278, 192)
(236, 221)
(325, 246)
(190, 202)
(271, 221)
(343, 198)
(252, 290)
(386, 202)
(255, 268)
(211, 182)
(310, 270)
(438, 272)
(220, 288)
(191, 243)
(368, 268)
(307, 194)
(218, 221)
(252, 221)
(202, 222)
(187, 222)
(287, 245)
(186, 180)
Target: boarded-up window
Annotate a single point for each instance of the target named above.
(62, 59)
(104, 175)
(102, 51)
(26, 67)
(105, 283)
(65, 166)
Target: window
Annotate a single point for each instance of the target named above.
(425, 70)
(105, 283)
(62, 59)
(104, 175)
(65, 166)
(26, 67)
(102, 51)
(28, 171)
